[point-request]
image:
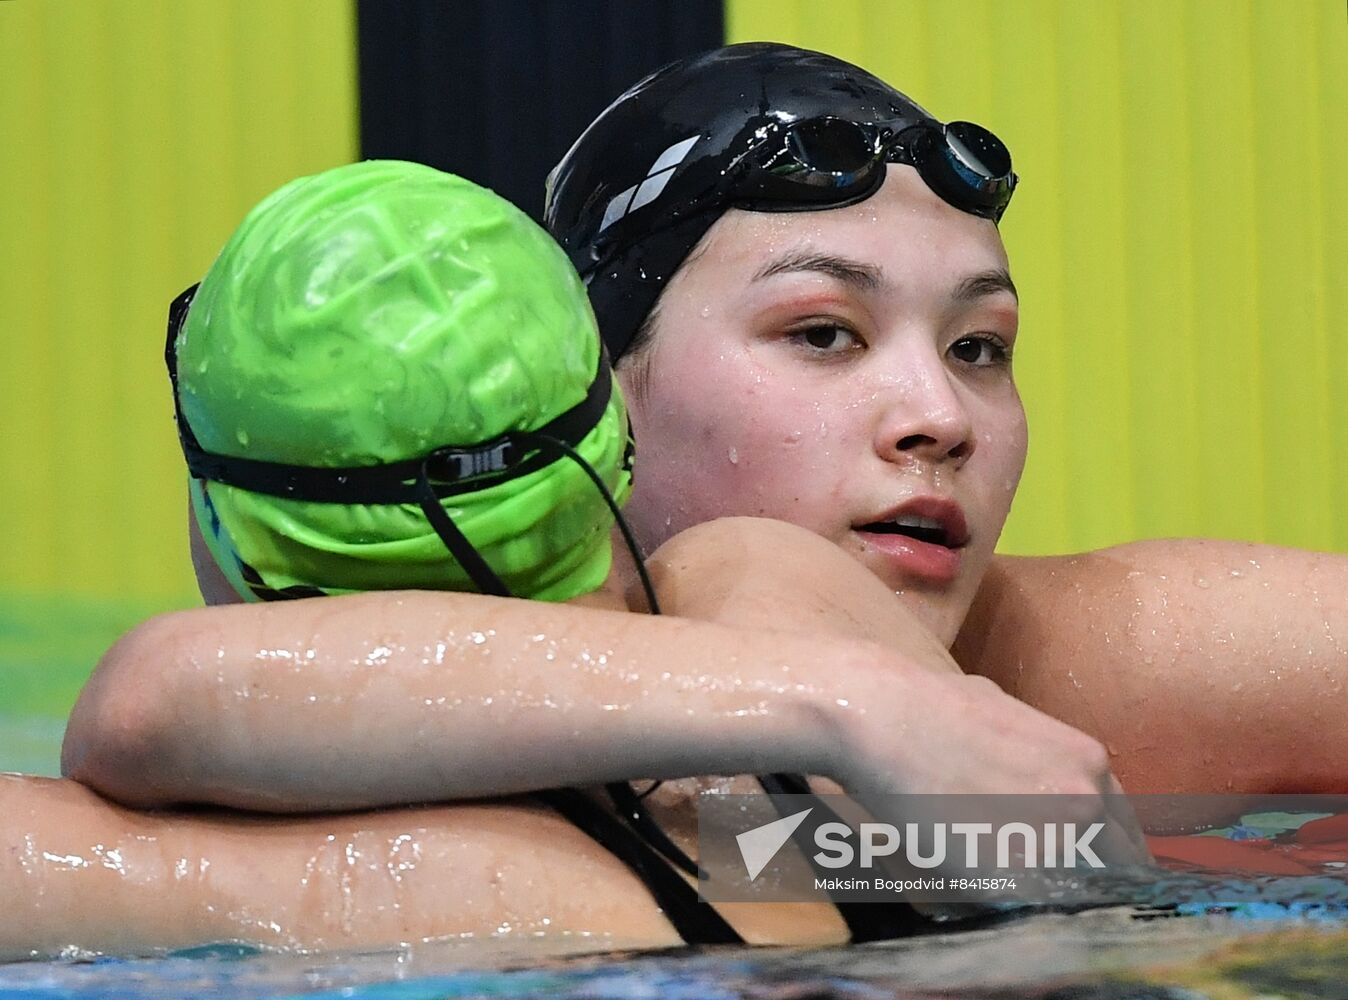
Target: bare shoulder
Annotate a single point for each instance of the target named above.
(1149, 589)
(759, 552)
(763, 574)
(1198, 662)
(739, 535)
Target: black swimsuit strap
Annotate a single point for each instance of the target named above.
(865, 921)
(696, 921)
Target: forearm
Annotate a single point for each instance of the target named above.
(78, 871)
(312, 705)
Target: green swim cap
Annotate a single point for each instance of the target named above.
(360, 320)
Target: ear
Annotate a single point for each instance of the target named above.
(211, 581)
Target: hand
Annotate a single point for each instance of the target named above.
(920, 732)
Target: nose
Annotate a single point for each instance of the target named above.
(926, 421)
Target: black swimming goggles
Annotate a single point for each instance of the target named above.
(442, 472)
(834, 161)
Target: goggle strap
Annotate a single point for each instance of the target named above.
(627, 803)
(628, 538)
(265, 592)
(463, 551)
(455, 470)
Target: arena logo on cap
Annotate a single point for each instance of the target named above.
(659, 174)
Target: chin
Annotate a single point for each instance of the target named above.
(942, 609)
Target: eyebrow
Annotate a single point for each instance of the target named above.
(868, 277)
(978, 286)
(864, 277)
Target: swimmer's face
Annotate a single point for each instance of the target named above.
(838, 369)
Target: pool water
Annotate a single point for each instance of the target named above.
(1214, 935)
(1097, 955)
(1272, 936)
(31, 744)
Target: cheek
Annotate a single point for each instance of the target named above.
(730, 439)
(1005, 445)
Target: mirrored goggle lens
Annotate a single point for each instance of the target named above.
(965, 164)
(818, 160)
(834, 152)
(975, 149)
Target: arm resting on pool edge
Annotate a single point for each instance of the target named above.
(387, 698)
(78, 871)
(1204, 666)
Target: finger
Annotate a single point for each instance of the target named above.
(1120, 815)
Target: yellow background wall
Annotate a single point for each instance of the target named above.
(133, 137)
(1180, 242)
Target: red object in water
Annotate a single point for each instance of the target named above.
(1308, 849)
(1254, 857)
(1332, 830)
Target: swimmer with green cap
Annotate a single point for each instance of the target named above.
(392, 378)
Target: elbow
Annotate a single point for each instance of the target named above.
(122, 734)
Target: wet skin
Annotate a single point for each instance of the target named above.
(831, 369)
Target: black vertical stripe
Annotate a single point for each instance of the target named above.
(497, 90)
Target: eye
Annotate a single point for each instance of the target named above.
(981, 350)
(827, 338)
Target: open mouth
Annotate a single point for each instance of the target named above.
(947, 531)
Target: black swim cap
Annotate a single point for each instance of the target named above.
(762, 126)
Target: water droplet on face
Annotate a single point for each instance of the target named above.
(705, 312)
(1202, 582)
(734, 456)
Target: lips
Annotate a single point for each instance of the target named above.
(922, 538)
